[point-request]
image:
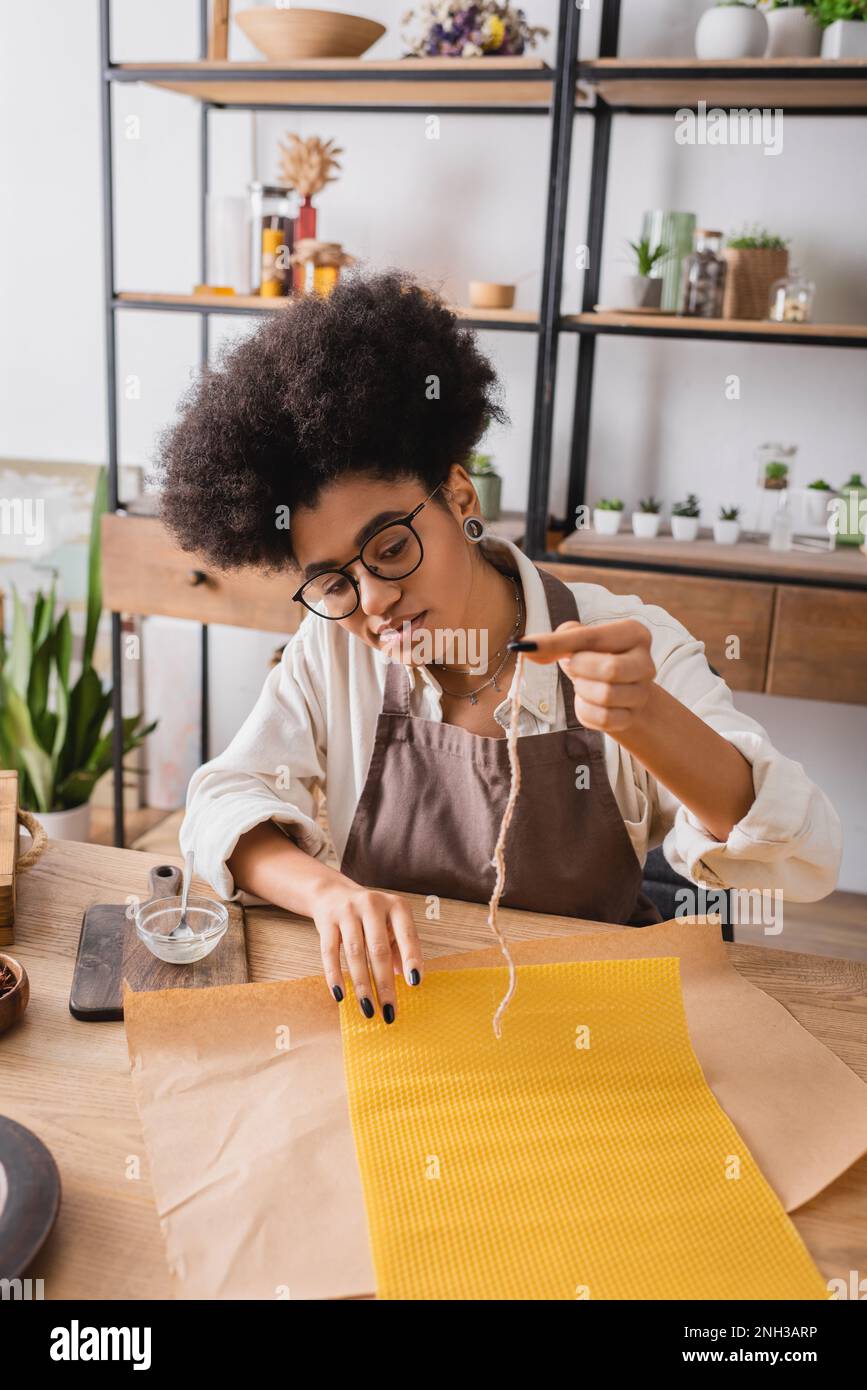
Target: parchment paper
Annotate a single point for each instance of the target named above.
(250, 1143)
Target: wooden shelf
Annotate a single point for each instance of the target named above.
(666, 83)
(404, 82)
(846, 565)
(521, 319)
(744, 330)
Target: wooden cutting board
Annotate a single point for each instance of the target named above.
(109, 951)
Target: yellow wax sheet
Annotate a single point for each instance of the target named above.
(581, 1155)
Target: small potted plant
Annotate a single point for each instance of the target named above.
(488, 485)
(727, 528)
(643, 289)
(684, 518)
(792, 30)
(645, 522)
(51, 726)
(607, 515)
(819, 494)
(732, 29)
(776, 475)
(755, 260)
(845, 32)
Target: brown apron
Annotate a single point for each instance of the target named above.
(431, 808)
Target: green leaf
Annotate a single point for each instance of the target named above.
(18, 669)
(88, 707)
(94, 568)
(18, 731)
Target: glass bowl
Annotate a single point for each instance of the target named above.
(155, 919)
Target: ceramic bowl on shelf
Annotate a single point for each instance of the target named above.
(486, 294)
(284, 35)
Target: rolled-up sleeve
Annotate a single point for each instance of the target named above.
(790, 839)
(274, 769)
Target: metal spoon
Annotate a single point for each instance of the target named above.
(183, 930)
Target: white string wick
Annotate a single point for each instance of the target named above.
(498, 860)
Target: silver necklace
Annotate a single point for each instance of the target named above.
(473, 695)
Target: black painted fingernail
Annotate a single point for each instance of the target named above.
(337, 992)
(414, 977)
(522, 646)
(367, 1008)
(388, 1013)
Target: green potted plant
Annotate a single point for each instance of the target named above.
(732, 29)
(845, 33)
(51, 727)
(727, 528)
(755, 260)
(643, 289)
(645, 522)
(607, 515)
(776, 475)
(818, 496)
(488, 485)
(792, 29)
(685, 517)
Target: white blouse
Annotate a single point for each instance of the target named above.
(311, 733)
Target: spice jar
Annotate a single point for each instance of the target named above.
(792, 299)
(321, 262)
(704, 276)
(272, 213)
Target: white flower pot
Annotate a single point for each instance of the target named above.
(605, 522)
(726, 532)
(845, 38)
(792, 33)
(816, 505)
(646, 523)
(731, 31)
(641, 292)
(684, 528)
(67, 825)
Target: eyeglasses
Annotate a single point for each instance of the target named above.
(392, 552)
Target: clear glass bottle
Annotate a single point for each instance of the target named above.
(704, 276)
(273, 208)
(792, 299)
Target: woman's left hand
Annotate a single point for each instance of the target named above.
(609, 665)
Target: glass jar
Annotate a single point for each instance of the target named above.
(704, 276)
(272, 236)
(792, 299)
(319, 264)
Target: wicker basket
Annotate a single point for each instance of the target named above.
(749, 277)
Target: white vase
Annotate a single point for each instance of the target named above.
(792, 33)
(731, 31)
(646, 523)
(684, 528)
(67, 825)
(641, 292)
(845, 38)
(726, 532)
(607, 523)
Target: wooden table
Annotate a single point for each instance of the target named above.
(69, 1081)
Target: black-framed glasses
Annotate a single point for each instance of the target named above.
(394, 551)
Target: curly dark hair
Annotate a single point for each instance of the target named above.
(327, 387)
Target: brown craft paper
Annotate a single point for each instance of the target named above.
(251, 1149)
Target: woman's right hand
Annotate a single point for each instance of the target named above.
(379, 939)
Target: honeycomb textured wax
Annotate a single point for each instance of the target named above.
(581, 1155)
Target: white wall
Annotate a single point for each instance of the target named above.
(471, 205)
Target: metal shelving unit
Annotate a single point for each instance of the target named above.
(633, 87)
(558, 86)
